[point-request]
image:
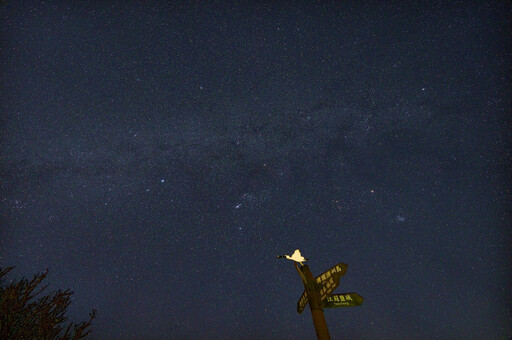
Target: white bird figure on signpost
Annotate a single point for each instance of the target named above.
(297, 257)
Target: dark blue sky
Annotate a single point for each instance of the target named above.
(156, 158)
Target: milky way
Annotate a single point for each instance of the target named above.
(156, 158)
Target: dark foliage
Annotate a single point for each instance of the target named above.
(23, 315)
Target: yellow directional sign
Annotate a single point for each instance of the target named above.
(330, 279)
(327, 282)
(343, 300)
(303, 301)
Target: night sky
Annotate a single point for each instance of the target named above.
(157, 158)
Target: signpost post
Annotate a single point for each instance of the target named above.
(315, 304)
(317, 292)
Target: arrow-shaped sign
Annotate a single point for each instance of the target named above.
(303, 301)
(343, 300)
(330, 279)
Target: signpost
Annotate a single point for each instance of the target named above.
(327, 283)
(317, 292)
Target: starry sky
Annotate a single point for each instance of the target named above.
(157, 157)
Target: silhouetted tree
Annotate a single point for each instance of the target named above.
(22, 316)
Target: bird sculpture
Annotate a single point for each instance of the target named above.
(297, 257)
